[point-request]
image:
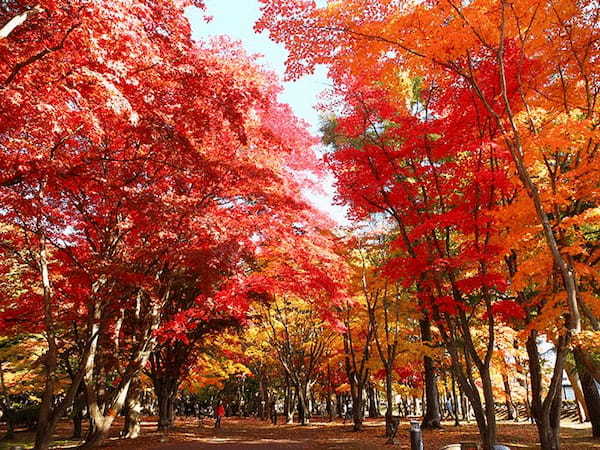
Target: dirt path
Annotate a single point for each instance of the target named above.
(251, 434)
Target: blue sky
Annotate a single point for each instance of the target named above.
(236, 19)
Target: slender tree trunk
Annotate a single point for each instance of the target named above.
(302, 405)
(432, 417)
(582, 411)
(389, 400)
(528, 398)
(329, 406)
(356, 391)
(463, 404)
(590, 392)
(240, 398)
(515, 147)
(264, 398)
(44, 428)
(288, 405)
(405, 406)
(310, 400)
(545, 411)
(549, 426)
(485, 413)
(510, 409)
(133, 408)
(490, 410)
(78, 406)
(49, 416)
(455, 400)
(373, 407)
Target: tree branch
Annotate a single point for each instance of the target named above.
(19, 19)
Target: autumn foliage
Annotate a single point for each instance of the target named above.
(144, 181)
(472, 129)
(154, 232)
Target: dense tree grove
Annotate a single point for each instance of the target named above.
(472, 127)
(158, 255)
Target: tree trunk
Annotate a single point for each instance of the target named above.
(263, 409)
(310, 401)
(432, 417)
(357, 406)
(288, 405)
(456, 402)
(582, 411)
(102, 422)
(490, 411)
(240, 390)
(484, 411)
(373, 407)
(166, 411)
(590, 392)
(389, 400)
(133, 408)
(515, 147)
(528, 399)
(103, 414)
(549, 426)
(510, 409)
(549, 438)
(44, 428)
(464, 404)
(405, 406)
(166, 384)
(78, 416)
(97, 433)
(104, 410)
(303, 414)
(48, 416)
(545, 411)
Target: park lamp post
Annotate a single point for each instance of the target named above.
(416, 438)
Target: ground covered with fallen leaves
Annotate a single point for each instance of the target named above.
(251, 434)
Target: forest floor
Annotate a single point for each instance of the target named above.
(251, 434)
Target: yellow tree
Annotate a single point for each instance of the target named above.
(299, 337)
(391, 313)
(20, 374)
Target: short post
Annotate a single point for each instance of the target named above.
(416, 438)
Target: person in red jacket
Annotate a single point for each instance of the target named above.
(219, 413)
